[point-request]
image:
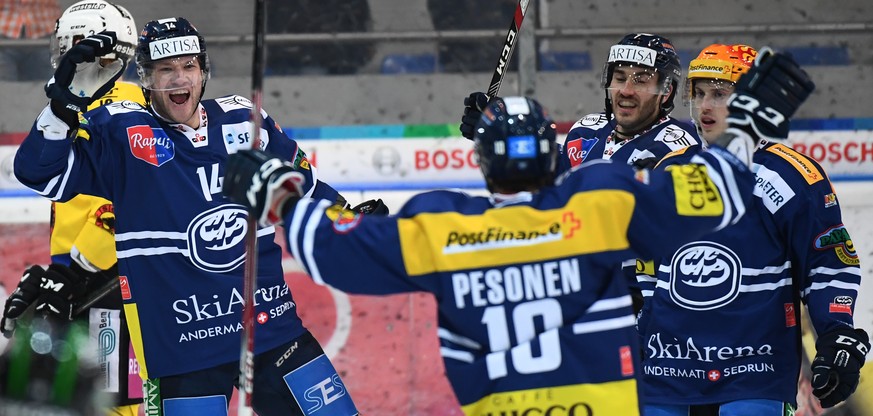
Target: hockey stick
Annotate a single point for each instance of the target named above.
(100, 293)
(508, 47)
(247, 347)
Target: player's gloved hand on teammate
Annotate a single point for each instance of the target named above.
(52, 292)
(373, 206)
(837, 365)
(473, 106)
(763, 101)
(263, 183)
(80, 78)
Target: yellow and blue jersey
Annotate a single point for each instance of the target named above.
(533, 315)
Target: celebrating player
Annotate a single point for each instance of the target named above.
(180, 242)
(640, 78)
(721, 319)
(82, 240)
(531, 316)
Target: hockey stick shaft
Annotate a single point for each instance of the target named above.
(508, 46)
(100, 293)
(247, 347)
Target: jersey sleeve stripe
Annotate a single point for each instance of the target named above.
(604, 325)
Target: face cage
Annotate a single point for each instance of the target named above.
(662, 87)
(147, 80)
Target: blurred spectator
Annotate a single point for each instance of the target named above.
(318, 16)
(26, 19)
(473, 55)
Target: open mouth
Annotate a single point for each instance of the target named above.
(180, 97)
(707, 122)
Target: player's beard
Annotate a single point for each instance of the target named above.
(634, 120)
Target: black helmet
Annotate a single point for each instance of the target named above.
(646, 50)
(168, 38)
(515, 145)
(47, 370)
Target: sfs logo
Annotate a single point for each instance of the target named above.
(324, 393)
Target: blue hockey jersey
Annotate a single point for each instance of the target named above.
(590, 138)
(721, 320)
(532, 318)
(180, 242)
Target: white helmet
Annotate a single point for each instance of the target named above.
(89, 17)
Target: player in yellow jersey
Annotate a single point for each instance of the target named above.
(82, 230)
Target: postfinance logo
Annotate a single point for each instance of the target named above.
(451, 241)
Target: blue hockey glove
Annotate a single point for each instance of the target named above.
(373, 206)
(80, 78)
(262, 183)
(766, 97)
(473, 106)
(837, 365)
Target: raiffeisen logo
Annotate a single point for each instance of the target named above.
(498, 237)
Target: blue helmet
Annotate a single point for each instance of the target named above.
(650, 51)
(515, 145)
(168, 38)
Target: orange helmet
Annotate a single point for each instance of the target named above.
(725, 62)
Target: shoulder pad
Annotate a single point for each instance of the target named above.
(807, 168)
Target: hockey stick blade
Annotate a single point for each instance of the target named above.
(508, 46)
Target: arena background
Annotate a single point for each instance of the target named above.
(374, 89)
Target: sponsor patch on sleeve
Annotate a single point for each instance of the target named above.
(838, 239)
(695, 193)
(772, 189)
(841, 304)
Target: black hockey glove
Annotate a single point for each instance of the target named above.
(52, 291)
(763, 101)
(262, 183)
(373, 206)
(80, 78)
(21, 299)
(837, 365)
(473, 106)
(766, 97)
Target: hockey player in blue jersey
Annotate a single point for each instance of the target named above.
(640, 79)
(721, 321)
(532, 319)
(180, 242)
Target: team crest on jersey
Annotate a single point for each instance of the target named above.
(830, 200)
(150, 144)
(216, 238)
(838, 238)
(577, 150)
(344, 220)
(105, 218)
(704, 275)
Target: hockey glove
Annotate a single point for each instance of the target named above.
(262, 183)
(373, 206)
(80, 78)
(837, 365)
(768, 95)
(21, 299)
(473, 106)
(60, 288)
